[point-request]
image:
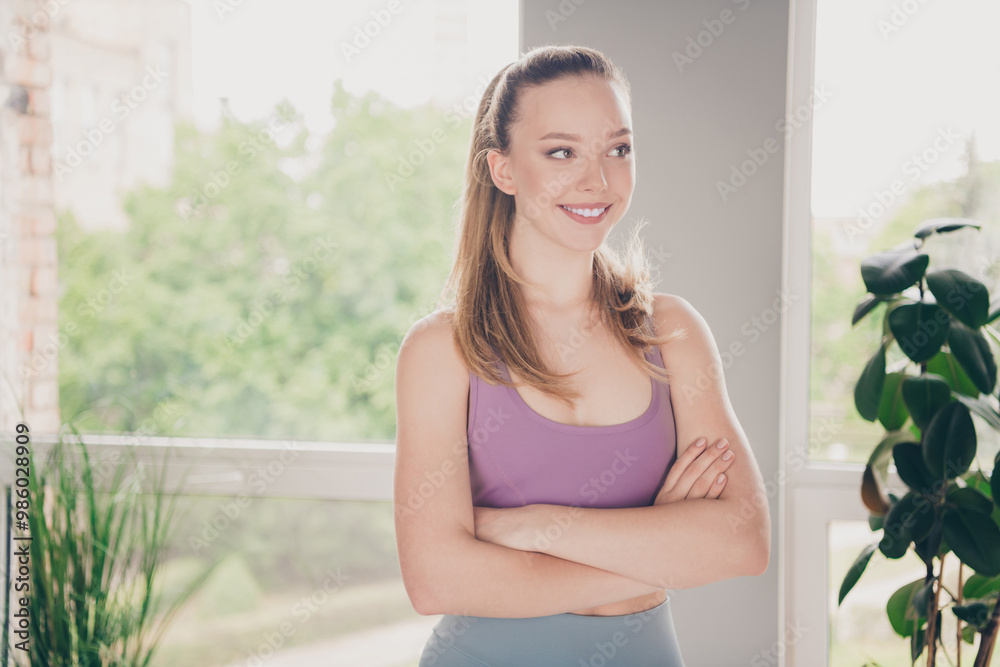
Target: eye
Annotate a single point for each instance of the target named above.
(559, 150)
(625, 148)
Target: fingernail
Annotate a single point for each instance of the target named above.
(722, 443)
(700, 442)
(728, 455)
(722, 478)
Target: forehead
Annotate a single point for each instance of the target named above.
(583, 105)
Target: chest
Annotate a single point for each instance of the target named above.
(613, 387)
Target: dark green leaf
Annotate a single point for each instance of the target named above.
(868, 391)
(970, 498)
(882, 454)
(976, 614)
(892, 412)
(893, 271)
(973, 352)
(974, 538)
(924, 395)
(961, 295)
(941, 225)
(856, 570)
(950, 441)
(994, 310)
(909, 460)
(920, 329)
(865, 306)
(982, 408)
(874, 522)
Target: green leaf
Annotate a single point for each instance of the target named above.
(856, 570)
(892, 412)
(974, 538)
(924, 395)
(941, 225)
(979, 586)
(900, 611)
(865, 306)
(961, 295)
(944, 364)
(982, 408)
(950, 441)
(868, 391)
(879, 458)
(875, 522)
(973, 352)
(994, 310)
(976, 614)
(893, 271)
(995, 481)
(970, 498)
(909, 460)
(920, 329)
(968, 634)
(910, 517)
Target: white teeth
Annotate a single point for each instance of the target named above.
(586, 212)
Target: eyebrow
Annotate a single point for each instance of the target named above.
(576, 137)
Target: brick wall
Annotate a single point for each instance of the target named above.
(29, 334)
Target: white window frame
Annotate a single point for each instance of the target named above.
(814, 493)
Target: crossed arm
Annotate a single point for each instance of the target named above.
(677, 542)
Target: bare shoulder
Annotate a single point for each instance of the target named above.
(429, 349)
(431, 340)
(672, 313)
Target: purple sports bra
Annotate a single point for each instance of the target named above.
(518, 457)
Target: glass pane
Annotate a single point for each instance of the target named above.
(860, 632)
(303, 583)
(288, 218)
(903, 132)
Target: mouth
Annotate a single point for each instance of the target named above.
(587, 215)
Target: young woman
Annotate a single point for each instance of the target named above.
(559, 462)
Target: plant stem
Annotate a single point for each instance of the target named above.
(988, 639)
(932, 607)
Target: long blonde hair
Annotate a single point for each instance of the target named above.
(486, 301)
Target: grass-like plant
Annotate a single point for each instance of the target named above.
(97, 543)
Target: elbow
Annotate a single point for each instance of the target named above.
(418, 587)
(758, 551)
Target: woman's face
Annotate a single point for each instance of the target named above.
(571, 148)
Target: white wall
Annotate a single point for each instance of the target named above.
(692, 126)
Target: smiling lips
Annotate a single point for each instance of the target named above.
(587, 213)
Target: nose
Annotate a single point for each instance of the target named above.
(592, 175)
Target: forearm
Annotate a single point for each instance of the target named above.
(676, 545)
(477, 578)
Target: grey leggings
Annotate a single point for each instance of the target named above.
(641, 639)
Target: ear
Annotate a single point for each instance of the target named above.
(500, 172)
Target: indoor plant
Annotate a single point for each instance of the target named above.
(937, 319)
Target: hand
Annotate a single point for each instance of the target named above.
(695, 472)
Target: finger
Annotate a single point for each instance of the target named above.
(717, 486)
(707, 481)
(683, 461)
(697, 468)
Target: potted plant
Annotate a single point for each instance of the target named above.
(95, 542)
(939, 319)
